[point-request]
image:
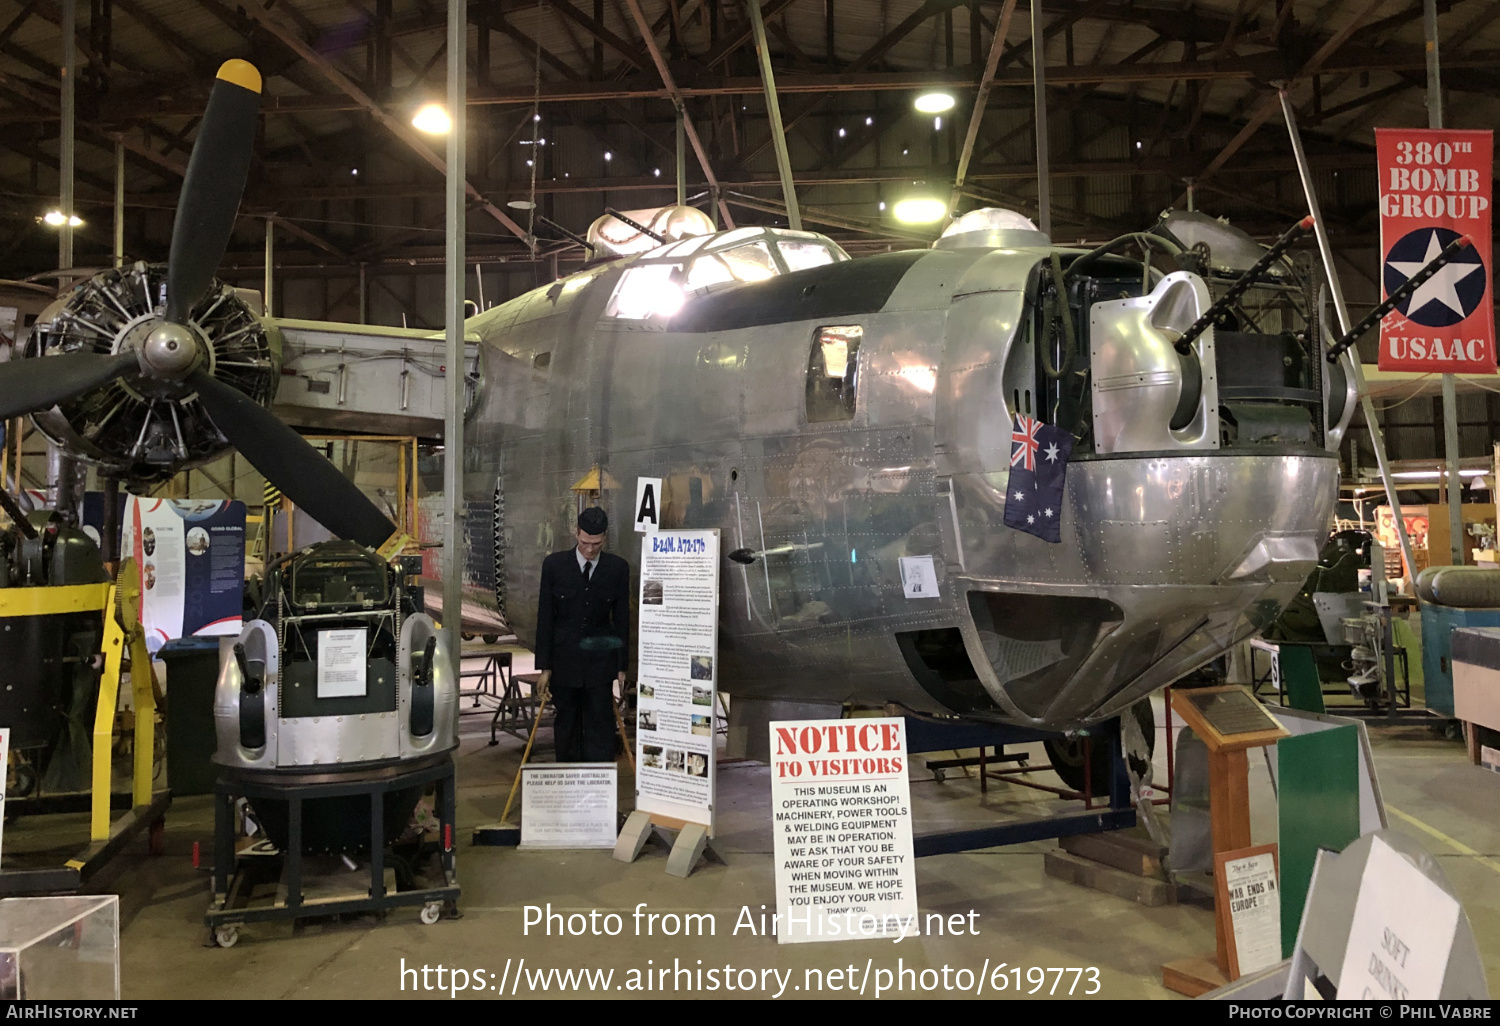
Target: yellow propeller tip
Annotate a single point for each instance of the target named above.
(241, 73)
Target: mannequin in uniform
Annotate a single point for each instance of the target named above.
(582, 627)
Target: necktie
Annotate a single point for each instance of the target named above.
(587, 566)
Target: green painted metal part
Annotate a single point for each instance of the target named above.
(1299, 676)
(1318, 807)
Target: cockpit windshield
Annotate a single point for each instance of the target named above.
(656, 285)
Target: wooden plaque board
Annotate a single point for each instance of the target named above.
(1228, 719)
(1222, 897)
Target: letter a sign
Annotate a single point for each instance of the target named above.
(647, 504)
(1435, 185)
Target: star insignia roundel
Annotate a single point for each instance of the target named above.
(1450, 295)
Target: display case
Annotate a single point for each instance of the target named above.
(60, 949)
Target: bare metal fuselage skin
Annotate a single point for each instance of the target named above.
(1169, 555)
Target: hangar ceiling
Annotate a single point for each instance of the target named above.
(1143, 96)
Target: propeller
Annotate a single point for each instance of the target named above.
(27, 386)
(285, 459)
(211, 191)
(172, 352)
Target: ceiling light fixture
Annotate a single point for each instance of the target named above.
(433, 120)
(934, 103)
(921, 210)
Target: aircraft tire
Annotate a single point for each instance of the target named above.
(1067, 758)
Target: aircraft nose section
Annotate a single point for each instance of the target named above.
(1277, 558)
(1163, 565)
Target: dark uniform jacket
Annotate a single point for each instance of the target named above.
(568, 611)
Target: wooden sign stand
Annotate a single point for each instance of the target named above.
(1231, 722)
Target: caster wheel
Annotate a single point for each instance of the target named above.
(490, 639)
(939, 775)
(431, 912)
(227, 936)
(466, 637)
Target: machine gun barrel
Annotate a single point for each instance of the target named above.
(1243, 282)
(612, 212)
(1413, 283)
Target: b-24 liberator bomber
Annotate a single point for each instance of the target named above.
(832, 416)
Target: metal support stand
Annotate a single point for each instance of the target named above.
(773, 111)
(455, 203)
(923, 736)
(1325, 251)
(1039, 89)
(236, 874)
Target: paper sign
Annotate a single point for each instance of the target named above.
(341, 663)
(842, 812)
(1254, 907)
(569, 805)
(1401, 935)
(1435, 186)
(919, 577)
(677, 672)
(647, 504)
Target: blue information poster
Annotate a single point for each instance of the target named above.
(191, 557)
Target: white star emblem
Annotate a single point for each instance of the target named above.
(1031, 520)
(1440, 287)
(1051, 452)
(1047, 513)
(1020, 496)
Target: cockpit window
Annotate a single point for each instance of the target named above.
(647, 290)
(750, 262)
(657, 284)
(708, 270)
(799, 256)
(833, 373)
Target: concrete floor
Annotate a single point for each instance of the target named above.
(1024, 917)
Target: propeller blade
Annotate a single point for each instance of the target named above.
(212, 189)
(41, 382)
(292, 465)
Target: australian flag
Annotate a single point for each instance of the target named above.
(1038, 465)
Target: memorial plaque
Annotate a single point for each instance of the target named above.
(1232, 712)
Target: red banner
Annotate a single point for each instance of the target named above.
(1436, 185)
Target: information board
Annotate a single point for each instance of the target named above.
(842, 813)
(191, 558)
(677, 675)
(569, 805)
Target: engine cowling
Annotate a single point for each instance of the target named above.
(135, 426)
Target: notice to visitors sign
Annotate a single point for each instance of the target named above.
(842, 811)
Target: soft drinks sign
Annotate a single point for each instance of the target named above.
(1436, 185)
